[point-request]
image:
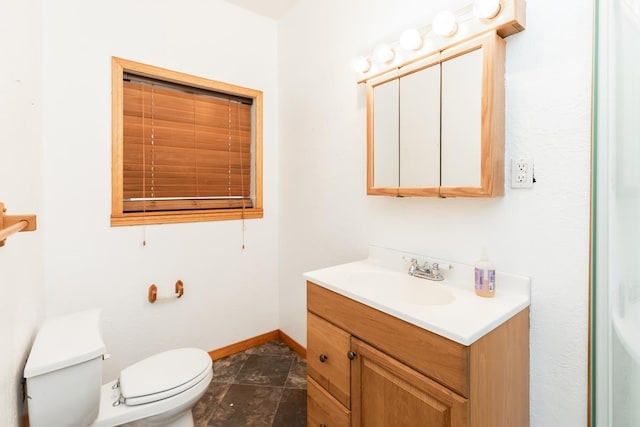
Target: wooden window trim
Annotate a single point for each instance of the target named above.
(120, 218)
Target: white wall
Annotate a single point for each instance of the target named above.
(542, 233)
(21, 264)
(230, 294)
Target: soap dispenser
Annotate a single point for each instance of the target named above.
(485, 277)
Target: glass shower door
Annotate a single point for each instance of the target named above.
(616, 220)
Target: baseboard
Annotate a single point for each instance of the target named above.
(292, 344)
(243, 345)
(256, 341)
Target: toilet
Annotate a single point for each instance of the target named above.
(64, 380)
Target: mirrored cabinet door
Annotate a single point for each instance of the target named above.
(386, 137)
(461, 130)
(420, 129)
(472, 137)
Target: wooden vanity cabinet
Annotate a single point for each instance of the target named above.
(401, 375)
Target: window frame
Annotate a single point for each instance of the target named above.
(120, 66)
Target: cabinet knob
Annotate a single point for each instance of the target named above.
(351, 355)
(323, 425)
(323, 358)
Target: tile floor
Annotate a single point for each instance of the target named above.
(264, 386)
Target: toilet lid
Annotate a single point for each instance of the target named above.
(163, 375)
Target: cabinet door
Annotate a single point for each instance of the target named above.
(420, 129)
(461, 130)
(384, 157)
(472, 134)
(327, 361)
(386, 393)
(323, 409)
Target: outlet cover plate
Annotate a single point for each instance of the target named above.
(521, 172)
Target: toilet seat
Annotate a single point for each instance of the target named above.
(163, 375)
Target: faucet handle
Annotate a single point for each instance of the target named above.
(442, 266)
(413, 267)
(435, 269)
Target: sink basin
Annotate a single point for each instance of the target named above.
(400, 288)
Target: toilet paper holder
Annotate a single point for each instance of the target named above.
(153, 293)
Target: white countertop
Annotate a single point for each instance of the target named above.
(381, 281)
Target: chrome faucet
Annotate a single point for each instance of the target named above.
(425, 271)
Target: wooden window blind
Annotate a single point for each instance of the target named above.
(184, 148)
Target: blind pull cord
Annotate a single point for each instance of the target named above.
(229, 148)
(244, 225)
(144, 182)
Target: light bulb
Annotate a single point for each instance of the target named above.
(486, 9)
(411, 40)
(384, 54)
(444, 23)
(361, 64)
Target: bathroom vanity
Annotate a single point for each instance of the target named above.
(409, 352)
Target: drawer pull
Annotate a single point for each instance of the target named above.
(323, 358)
(351, 355)
(323, 425)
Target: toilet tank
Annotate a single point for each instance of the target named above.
(64, 371)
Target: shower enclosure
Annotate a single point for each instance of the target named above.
(615, 292)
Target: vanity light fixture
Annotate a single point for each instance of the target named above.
(411, 39)
(486, 9)
(446, 29)
(361, 64)
(383, 54)
(444, 23)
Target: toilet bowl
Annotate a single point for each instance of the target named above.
(64, 375)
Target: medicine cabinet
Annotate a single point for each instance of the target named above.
(435, 126)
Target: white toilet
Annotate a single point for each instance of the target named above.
(64, 377)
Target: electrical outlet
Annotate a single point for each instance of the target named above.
(521, 173)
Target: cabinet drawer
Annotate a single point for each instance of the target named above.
(323, 409)
(327, 361)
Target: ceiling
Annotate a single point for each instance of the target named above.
(271, 8)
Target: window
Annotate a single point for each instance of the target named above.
(185, 148)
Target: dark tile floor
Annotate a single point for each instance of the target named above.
(265, 386)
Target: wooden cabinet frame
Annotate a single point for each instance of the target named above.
(491, 120)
